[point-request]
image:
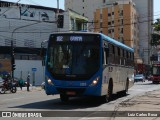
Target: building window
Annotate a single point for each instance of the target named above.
(83, 0)
(121, 13)
(109, 31)
(72, 24)
(100, 24)
(109, 14)
(121, 22)
(112, 13)
(109, 23)
(100, 16)
(121, 30)
(104, 1)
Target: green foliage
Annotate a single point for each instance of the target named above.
(157, 25)
(156, 37)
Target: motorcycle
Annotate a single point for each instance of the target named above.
(8, 86)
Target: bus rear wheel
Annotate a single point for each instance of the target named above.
(124, 92)
(109, 95)
(64, 98)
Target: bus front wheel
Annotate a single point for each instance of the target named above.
(64, 98)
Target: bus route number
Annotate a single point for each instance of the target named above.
(59, 38)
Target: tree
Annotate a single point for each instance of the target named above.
(157, 25)
(155, 39)
(156, 35)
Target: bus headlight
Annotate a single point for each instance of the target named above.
(95, 81)
(49, 81)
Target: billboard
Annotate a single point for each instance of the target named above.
(5, 66)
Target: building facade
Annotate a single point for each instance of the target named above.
(143, 7)
(73, 21)
(119, 21)
(28, 26)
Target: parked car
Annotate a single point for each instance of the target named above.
(139, 77)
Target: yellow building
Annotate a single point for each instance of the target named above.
(119, 21)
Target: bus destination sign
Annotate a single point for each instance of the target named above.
(70, 38)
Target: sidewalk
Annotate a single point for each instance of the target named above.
(31, 88)
(149, 101)
(142, 105)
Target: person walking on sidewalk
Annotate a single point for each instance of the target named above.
(21, 83)
(28, 82)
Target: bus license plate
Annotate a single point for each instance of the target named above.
(71, 93)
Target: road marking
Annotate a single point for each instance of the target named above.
(13, 99)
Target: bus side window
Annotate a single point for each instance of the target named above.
(106, 55)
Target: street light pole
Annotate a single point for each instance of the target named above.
(12, 46)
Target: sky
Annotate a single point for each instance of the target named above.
(47, 3)
(156, 9)
(53, 3)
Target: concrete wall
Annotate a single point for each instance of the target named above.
(23, 67)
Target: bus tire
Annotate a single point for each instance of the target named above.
(64, 98)
(109, 95)
(126, 88)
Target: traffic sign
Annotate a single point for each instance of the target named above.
(34, 69)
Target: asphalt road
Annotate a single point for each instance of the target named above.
(80, 108)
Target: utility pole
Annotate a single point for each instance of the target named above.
(57, 15)
(12, 48)
(12, 60)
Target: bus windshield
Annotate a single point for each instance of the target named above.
(73, 60)
(156, 70)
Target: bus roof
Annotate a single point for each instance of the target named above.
(113, 41)
(110, 40)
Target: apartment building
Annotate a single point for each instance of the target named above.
(120, 22)
(143, 7)
(85, 8)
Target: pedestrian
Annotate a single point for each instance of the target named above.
(21, 83)
(28, 82)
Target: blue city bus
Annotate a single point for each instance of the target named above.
(87, 64)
